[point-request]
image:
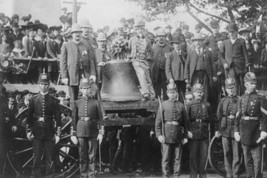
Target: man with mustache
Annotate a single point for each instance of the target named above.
(160, 51)
(76, 62)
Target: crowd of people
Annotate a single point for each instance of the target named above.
(202, 80)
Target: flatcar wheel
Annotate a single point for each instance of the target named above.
(20, 156)
(215, 154)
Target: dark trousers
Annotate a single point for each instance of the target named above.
(160, 86)
(231, 151)
(43, 147)
(181, 87)
(252, 157)
(200, 76)
(113, 144)
(171, 155)
(73, 92)
(198, 150)
(239, 77)
(87, 155)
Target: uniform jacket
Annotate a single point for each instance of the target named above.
(75, 61)
(191, 63)
(235, 55)
(200, 116)
(45, 106)
(227, 106)
(251, 105)
(175, 65)
(145, 53)
(86, 107)
(159, 59)
(171, 111)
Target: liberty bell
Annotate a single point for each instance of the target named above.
(119, 82)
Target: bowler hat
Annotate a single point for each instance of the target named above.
(232, 27)
(250, 77)
(214, 24)
(161, 32)
(230, 83)
(198, 87)
(101, 37)
(43, 79)
(76, 28)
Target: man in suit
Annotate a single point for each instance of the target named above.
(251, 126)
(141, 55)
(43, 113)
(88, 40)
(169, 33)
(199, 66)
(171, 127)
(211, 45)
(75, 62)
(102, 55)
(234, 57)
(175, 65)
(160, 50)
(85, 127)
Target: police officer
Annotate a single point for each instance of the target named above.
(200, 117)
(87, 114)
(226, 115)
(43, 113)
(251, 126)
(171, 131)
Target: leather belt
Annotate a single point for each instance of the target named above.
(249, 118)
(85, 118)
(230, 116)
(172, 123)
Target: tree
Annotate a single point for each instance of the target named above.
(240, 11)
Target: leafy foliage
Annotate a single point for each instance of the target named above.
(232, 10)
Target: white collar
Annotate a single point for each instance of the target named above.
(233, 41)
